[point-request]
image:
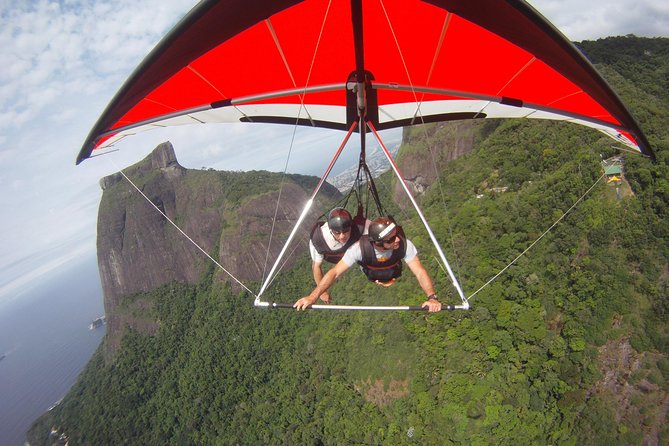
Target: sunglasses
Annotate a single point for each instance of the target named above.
(386, 241)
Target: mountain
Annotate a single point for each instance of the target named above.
(229, 215)
(568, 345)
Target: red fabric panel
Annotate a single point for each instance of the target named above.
(225, 50)
(475, 60)
(539, 84)
(298, 31)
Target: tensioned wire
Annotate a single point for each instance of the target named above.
(297, 120)
(274, 36)
(193, 242)
(492, 279)
(420, 116)
(429, 146)
(538, 239)
(179, 229)
(286, 166)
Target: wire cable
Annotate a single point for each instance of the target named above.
(419, 114)
(297, 120)
(178, 228)
(537, 240)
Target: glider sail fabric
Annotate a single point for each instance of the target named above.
(398, 62)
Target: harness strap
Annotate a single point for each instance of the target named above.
(378, 268)
(332, 255)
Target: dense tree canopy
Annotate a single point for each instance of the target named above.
(546, 355)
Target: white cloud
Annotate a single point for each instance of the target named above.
(51, 49)
(28, 274)
(594, 19)
(62, 62)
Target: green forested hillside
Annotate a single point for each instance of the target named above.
(568, 347)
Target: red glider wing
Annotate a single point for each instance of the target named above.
(288, 61)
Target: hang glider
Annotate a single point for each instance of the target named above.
(359, 66)
(400, 62)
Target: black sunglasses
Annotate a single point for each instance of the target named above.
(386, 241)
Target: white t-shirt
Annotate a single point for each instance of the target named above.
(354, 253)
(332, 243)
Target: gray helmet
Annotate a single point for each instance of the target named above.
(339, 219)
(380, 228)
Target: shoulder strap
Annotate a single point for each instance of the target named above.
(321, 246)
(317, 238)
(367, 250)
(356, 233)
(402, 250)
(369, 254)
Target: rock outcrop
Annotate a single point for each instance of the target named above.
(455, 139)
(228, 214)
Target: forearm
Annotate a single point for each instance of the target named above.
(426, 283)
(432, 304)
(422, 276)
(317, 272)
(323, 284)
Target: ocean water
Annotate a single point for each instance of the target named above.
(46, 341)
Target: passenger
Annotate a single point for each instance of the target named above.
(329, 241)
(379, 254)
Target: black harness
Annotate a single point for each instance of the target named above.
(383, 271)
(329, 255)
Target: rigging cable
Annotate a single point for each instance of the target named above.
(445, 265)
(435, 242)
(537, 240)
(265, 278)
(178, 228)
(419, 114)
(304, 213)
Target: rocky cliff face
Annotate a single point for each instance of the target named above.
(447, 140)
(228, 214)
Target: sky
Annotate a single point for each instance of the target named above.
(61, 62)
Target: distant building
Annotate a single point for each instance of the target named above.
(613, 167)
(613, 171)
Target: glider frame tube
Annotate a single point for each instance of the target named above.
(304, 213)
(378, 86)
(500, 100)
(268, 279)
(228, 102)
(456, 284)
(359, 307)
